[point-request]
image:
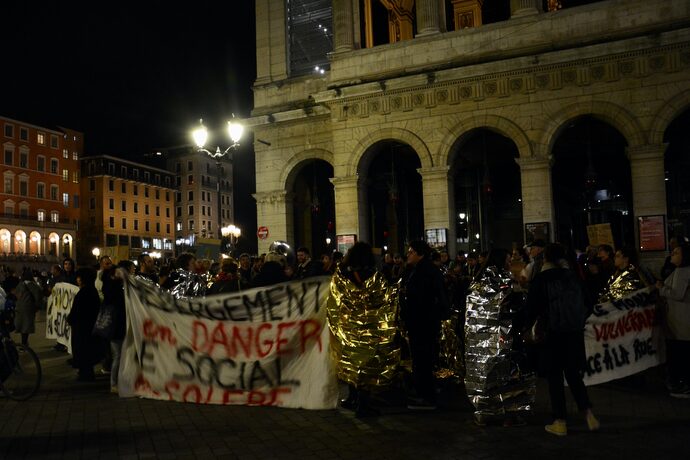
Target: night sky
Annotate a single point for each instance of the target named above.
(135, 77)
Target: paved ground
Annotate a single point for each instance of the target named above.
(82, 420)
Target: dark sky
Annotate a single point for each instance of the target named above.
(133, 76)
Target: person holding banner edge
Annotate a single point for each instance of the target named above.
(676, 290)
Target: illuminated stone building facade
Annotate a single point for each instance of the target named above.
(128, 209)
(40, 193)
(469, 125)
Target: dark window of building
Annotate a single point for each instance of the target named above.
(110, 240)
(310, 29)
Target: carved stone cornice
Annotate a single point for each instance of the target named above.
(428, 91)
(273, 197)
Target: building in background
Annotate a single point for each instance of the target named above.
(197, 219)
(128, 209)
(473, 124)
(40, 193)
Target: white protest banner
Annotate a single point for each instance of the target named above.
(262, 347)
(58, 306)
(622, 338)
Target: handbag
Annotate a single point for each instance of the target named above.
(103, 327)
(536, 335)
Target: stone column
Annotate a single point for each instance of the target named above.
(437, 201)
(349, 208)
(342, 24)
(427, 17)
(274, 210)
(537, 197)
(649, 192)
(519, 8)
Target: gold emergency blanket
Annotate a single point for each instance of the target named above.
(451, 349)
(620, 285)
(364, 323)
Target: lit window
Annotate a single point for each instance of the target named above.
(75, 177)
(65, 175)
(41, 138)
(75, 156)
(157, 243)
(41, 216)
(178, 226)
(65, 199)
(54, 216)
(65, 153)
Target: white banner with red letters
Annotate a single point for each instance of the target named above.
(623, 338)
(58, 306)
(261, 347)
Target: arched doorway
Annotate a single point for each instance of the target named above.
(20, 242)
(591, 183)
(487, 191)
(314, 207)
(67, 245)
(53, 240)
(677, 168)
(5, 237)
(394, 200)
(35, 243)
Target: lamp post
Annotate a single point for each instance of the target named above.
(200, 136)
(231, 231)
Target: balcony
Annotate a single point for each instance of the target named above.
(28, 221)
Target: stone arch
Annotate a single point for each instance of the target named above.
(610, 113)
(495, 123)
(671, 109)
(289, 173)
(394, 134)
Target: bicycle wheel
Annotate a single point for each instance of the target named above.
(25, 378)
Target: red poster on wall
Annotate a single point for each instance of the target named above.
(652, 231)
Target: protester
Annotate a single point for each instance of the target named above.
(86, 348)
(228, 279)
(68, 274)
(556, 298)
(245, 268)
(306, 267)
(272, 271)
(147, 268)
(114, 295)
(536, 256)
(29, 300)
(627, 278)
(676, 290)
(424, 303)
(350, 281)
(184, 281)
(327, 265)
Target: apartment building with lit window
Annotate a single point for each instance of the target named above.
(128, 209)
(40, 194)
(197, 216)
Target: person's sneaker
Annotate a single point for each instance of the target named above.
(558, 427)
(682, 392)
(113, 390)
(592, 422)
(420, 404)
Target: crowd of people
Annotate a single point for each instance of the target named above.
(558, 288)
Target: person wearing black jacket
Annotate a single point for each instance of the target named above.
(86, 348)
(556, 297)
(423, 304)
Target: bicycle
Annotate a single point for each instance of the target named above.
(20, 369)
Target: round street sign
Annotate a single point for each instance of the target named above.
(262, 233)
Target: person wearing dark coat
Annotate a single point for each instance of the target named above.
(306, 267)
(272, 271)
(29, 300)
(557, 297)
(68, 274)
(423, 305)
(228, 280)
(86, 348)
(114, 295)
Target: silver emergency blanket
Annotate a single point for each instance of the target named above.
(621, 284)
(188, 284)
(495, 384)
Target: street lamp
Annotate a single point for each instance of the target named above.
(96, 252)
(200, 135)
(231, 231)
